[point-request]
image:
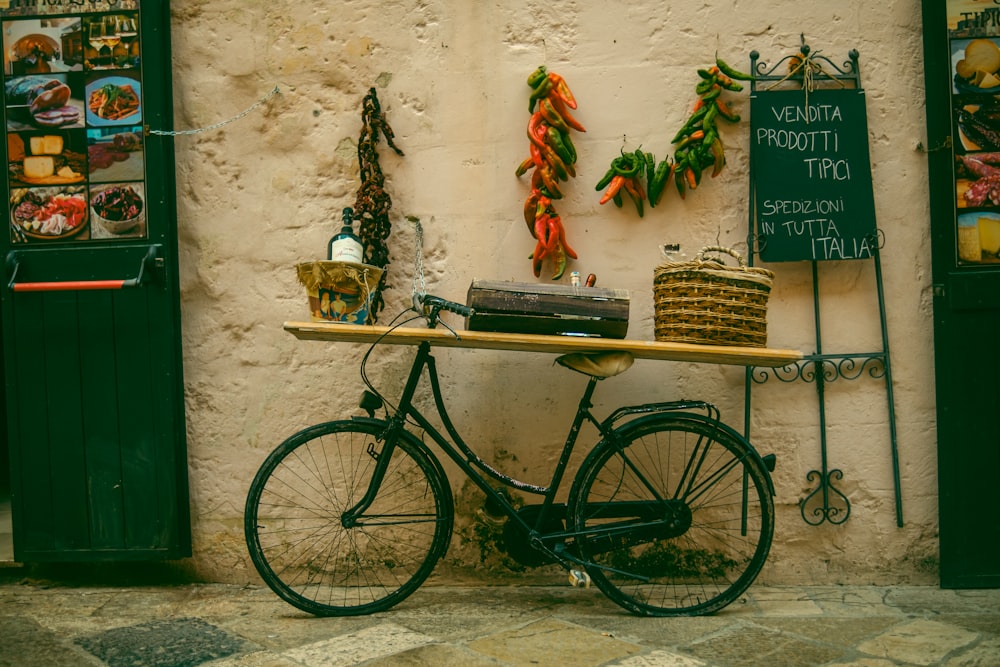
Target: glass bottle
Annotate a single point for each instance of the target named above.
(345, 246)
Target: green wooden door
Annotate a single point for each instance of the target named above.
(90, 297)
(966, 275)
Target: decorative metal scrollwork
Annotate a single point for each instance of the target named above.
(787, 373)
(877, 239)
(806, 67)
(829, 367)
(756, 244)
(817, 507)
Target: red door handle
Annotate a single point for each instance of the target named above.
(13, 263)
(68, 285)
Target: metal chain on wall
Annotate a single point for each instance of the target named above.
(216, 126)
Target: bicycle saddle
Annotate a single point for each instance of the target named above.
(597, 364)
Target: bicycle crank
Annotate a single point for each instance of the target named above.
(518, 543)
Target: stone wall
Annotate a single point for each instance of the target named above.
(260, 194)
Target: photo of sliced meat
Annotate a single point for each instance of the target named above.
(115, 155)
(978, 180)
(65, 115)
(49, 213)
(128, 141)
(41, 101)
(103, 156)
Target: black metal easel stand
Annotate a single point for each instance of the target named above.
(826, 503)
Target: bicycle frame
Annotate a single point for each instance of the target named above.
(471, 463)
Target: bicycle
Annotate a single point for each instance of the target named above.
(670, 513)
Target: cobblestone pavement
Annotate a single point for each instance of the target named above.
(45, 623)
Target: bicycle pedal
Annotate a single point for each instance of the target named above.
(579, 579)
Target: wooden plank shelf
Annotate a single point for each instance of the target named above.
(642, 349)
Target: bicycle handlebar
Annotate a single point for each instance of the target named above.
(430, 306)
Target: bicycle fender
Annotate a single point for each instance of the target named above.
(375, 421)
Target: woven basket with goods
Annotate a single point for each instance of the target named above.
(708, 302)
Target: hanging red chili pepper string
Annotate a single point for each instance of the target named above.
(552, 156)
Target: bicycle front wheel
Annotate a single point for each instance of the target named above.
(297, 537)
(675, 516)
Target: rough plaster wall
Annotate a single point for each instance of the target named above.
(263, 193)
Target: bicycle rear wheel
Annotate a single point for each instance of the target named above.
(676, 515)
(297, 539)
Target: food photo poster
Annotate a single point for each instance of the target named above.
(74, 124)
(974, 46)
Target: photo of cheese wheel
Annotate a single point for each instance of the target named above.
(46, 157)
(976, 65)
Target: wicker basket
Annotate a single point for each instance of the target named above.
(707, 302)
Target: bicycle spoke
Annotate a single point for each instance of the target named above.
(696, 538)
(298, 539)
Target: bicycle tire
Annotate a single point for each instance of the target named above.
(298, 543)
(672, 546)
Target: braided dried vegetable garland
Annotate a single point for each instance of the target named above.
(372, 204)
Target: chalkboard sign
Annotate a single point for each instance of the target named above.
(811, 175)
